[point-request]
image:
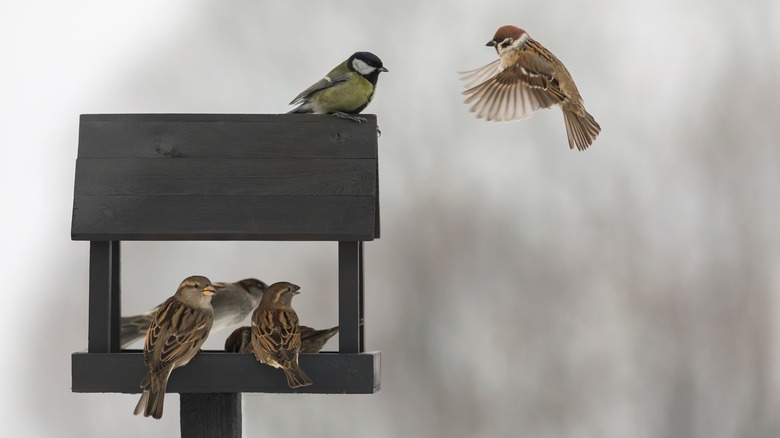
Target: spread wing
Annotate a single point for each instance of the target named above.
(480, 75)
(516, 92)
(278, 334)
(175, 335)
(322, 84)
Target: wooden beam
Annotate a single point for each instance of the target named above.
(220, 372)
(210, 415)
(350, 283)
(104, 297)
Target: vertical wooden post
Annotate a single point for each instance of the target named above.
(104, 297)
(210, 415)
(361, 284)
(115, 321)
(350, 297)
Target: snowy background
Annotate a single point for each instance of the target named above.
(519, 288)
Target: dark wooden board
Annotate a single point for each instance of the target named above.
(226, 177)
(210, 415)
(218, 176)
(266, 136)
(223, 218)
(218, 372)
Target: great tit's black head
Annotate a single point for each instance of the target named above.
(365, 63)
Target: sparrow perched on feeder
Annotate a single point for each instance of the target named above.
(526, 78)
(345, 91)
(276, 335)
(175, 336)
(312, 340)
(232, 303)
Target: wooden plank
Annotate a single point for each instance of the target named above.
(223, 218)
(269, 136)
(218, 372)
(144, 176)
(115, 319)
(104, 297)
(349, 297)
(210, 415)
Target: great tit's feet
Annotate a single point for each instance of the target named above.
(378, 132)
(349, 117)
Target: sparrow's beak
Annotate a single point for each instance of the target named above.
(296, 290)
(383, 69)
(209, 290)
(491, 43)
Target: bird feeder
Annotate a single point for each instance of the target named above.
(224, 177)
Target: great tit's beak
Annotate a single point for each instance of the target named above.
(491, 43)
(209, 290)
(383, 69)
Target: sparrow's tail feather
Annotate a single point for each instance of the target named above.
(154, 407)
(313, 340)
(141, 406)
(581, 130)
(151, 402)
(295, 376)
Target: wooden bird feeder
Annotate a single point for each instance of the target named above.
(224, 177)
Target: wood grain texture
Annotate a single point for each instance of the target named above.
(218, 176)
(210, 415)
(225, 177)
(223, 218)
(217, 372)
(269, 136)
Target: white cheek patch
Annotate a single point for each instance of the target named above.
(361, 67)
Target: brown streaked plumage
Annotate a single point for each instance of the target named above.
(175, 335)
(526, 78)
(312, 340)
(276, 334)
(232, 303)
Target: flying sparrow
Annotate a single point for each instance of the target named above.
(276, 335)
(232, 303)
(175, 336)
(527, 78)
(312, 340)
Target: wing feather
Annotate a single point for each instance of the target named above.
(322, 84)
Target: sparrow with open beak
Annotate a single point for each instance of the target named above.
(276, 334)
(178, 330)
(527, 78)
(232, 304)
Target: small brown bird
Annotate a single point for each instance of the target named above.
(312, 340)
(276, 335)
(527, 78)
(232, 303)
(175, 336)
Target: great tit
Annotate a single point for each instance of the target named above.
(346, 90)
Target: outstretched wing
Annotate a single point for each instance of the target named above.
(480, 75)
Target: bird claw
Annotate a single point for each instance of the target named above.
(349, 117)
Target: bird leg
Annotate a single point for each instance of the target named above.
(341, 115)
